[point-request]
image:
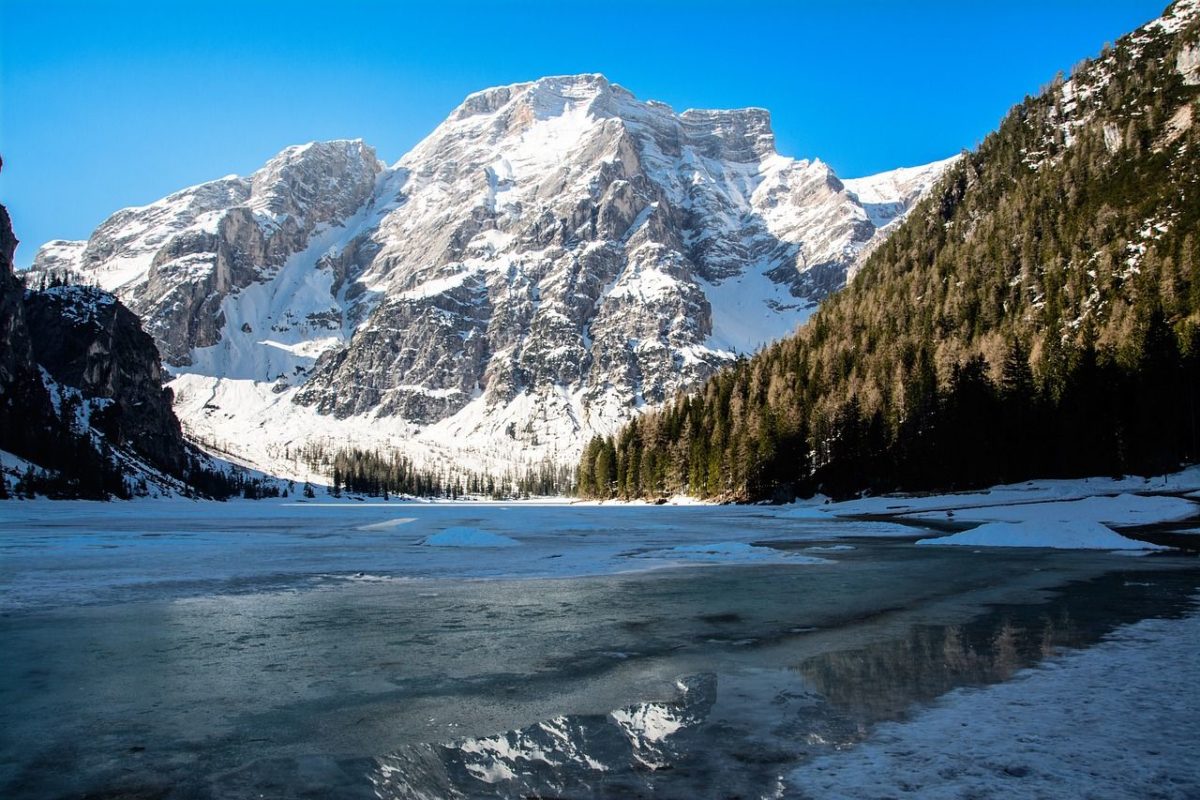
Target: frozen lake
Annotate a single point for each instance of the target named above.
(182, 650)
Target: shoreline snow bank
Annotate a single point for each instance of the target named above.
(1123, 509)
(1119, 720)
(1059, 534)
(1035, 493)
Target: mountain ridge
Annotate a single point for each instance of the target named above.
(554, 257)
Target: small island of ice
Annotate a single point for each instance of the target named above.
(1062, 535)
(469, 537)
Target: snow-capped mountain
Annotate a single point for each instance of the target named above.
(888, 196)
(551, 258)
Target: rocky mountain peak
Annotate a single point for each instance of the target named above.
(546, 96)
(555, 256)
(742, 134)
(339, 174)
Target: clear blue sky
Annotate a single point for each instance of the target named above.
(105, 104)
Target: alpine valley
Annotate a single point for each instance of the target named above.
(827, 488)
(551, 260)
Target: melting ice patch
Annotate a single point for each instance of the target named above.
(727, 552)
(469, 537)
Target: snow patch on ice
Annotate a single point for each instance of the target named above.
(806, 511)
(1061, 535)
(387, 524)
(469, 537)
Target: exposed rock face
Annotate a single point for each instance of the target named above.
(554, 256)
(88, 341)
(174, 261)
(75, 366)
(25, 408)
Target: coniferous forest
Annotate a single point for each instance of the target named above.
(382, 474)
(1037, 315)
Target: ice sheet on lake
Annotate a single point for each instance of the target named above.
(53, 552)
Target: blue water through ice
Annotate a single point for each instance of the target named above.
(295, 651)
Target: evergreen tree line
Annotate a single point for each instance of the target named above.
(381, 474)
(1097, 416)
(1038, 314)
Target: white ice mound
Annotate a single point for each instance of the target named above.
(1066, 535)
(468, 537)
(807, 511)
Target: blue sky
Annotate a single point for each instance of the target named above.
(105, 104)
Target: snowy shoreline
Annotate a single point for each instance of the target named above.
(1118, 720)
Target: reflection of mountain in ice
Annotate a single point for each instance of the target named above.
(740, 731)
(593, 753)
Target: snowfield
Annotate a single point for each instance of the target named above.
(983, 503)
(1060, 514)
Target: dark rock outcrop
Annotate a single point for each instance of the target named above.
(79, 380)
(26, 413)
(87, 340)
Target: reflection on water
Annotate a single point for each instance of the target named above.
(883, 679)
(616, 753)
(737, 733)
(676, 684)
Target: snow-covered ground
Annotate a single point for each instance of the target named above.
(1118, 721)
(1061, 514)
(982, 503)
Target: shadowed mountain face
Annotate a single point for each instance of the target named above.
(81, 390)
(86, 340)
(554, 256)
(25, 410)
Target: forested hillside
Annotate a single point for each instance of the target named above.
(1037, 315)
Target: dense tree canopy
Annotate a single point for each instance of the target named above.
(1037, 314)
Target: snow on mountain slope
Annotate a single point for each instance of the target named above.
(888, 196)
(553, 257)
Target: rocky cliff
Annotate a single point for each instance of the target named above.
(86, 340)
(26, 413)
(81, 391)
